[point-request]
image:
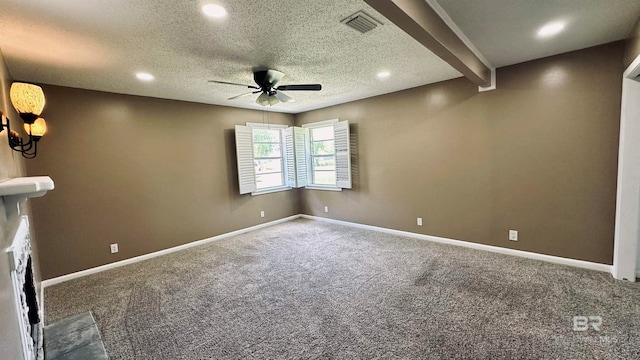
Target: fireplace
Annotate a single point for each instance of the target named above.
(25, 293)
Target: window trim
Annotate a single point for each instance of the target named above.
(266, 126)
(320, 123)
(322, 187)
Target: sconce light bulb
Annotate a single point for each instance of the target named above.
(38, 128)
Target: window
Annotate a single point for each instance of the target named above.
(276, 157)
(267, 158)
(261, 163)
(323, 156)
(329, 156)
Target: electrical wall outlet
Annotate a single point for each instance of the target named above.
(326, 209)
(262, 213)
(419, 221)
(114, 248)
(513, 235)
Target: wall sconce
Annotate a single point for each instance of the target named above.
(28, 100)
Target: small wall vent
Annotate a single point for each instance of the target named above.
(361, 22)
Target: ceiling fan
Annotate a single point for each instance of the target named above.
(271, 94)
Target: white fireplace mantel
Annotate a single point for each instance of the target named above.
(16, 190)
(32, 186)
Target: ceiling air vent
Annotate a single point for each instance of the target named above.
(361, 22)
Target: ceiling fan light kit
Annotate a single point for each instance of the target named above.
(271, 94)
(265, 100)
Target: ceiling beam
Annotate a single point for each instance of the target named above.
(418, 19)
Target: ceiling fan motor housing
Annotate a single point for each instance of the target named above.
(267, 79)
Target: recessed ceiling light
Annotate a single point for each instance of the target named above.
(551, 29)
(144, 76)
(383, 75)
(214, 11)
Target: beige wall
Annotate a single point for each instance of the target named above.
(145, 173)
(11, 166)
(538, 155)
(632, 45)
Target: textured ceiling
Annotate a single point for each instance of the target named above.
(101, 44)
(504, 31)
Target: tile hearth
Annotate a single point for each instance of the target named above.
(74, 338)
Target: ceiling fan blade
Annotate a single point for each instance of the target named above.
(241, 95)
(230, 83)
(283, 97)
(300, 87)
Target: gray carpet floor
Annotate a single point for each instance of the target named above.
(307, 289)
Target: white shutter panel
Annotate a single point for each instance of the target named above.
(289, 157)
(301, 144)
(343, 154)
(244, 154)
(295, 141)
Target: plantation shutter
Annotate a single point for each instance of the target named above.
(343, 155)
(301, 145)
(244, 154)
(289, 157)
(295, 153)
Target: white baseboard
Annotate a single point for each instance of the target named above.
(75, 275)
(496, 249)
